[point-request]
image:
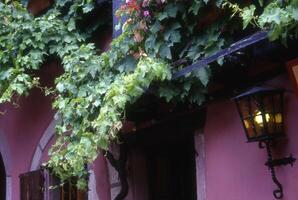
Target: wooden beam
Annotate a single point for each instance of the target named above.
(252, 39)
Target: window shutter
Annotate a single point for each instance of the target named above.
(32, 185)
(42, 185)
(52, 189)
(70, 192)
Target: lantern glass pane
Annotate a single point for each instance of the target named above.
(248, 124)
(268, 104)
(254, 106)
(244, 108)
(278, 123)
(277, 103)
(257, 117)
(271, 124)
(259, 125)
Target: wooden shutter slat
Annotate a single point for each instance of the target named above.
(42, 185)
(31, 184)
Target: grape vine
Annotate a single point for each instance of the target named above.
(93, 92)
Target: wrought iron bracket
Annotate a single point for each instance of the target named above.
(282, 161)
(271, 163)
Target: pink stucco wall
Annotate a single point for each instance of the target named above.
(235, 169)
(102, 178)
(22, 127)
(45, 155)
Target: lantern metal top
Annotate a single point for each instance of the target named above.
(258, 90)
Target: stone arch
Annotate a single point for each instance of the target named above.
(46, 137)
(41, 148)
(6, 158)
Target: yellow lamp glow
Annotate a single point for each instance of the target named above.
(261, 112)
(259, 118)
(278, 118)
(246, 123)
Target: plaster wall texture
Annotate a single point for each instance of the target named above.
(22, 127)
(235, 169)
(21, 131)
(100, 168)
(99, 184)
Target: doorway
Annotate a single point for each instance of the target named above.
(171, 171)
(162, 159)
(2, 179)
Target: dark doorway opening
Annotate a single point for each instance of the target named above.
(168, 156)
(2, 179)
(171, 170)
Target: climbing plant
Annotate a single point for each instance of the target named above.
(159, 37)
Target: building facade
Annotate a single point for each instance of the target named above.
(181, 154)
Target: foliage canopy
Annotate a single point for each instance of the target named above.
(93, 92)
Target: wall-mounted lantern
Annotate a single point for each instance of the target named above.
(262, 116)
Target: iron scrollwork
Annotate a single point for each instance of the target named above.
(271, 163)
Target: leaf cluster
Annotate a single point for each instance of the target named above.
(158, 39)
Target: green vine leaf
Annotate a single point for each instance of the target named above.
(248, 15)
(92, 94)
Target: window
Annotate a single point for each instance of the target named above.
(70, 192)
(41, 185)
